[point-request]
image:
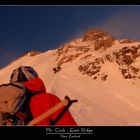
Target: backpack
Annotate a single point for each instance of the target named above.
(14, 104)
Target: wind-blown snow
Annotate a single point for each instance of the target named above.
(115, 101)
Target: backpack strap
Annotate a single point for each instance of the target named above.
(53, 122)
(13, 84)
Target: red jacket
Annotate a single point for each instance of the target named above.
(41, 102)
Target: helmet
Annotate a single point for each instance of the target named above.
(23, 74)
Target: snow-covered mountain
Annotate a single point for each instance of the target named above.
(103, 73)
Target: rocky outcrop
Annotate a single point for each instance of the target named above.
(93, 34)
(103, 43)
(124, 58)
(93, 69)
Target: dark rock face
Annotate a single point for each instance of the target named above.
(93, 34)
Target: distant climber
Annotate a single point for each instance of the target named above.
(56, 69)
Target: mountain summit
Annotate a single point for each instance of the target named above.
(103, 73)
(96, 49)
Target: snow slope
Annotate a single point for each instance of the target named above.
(114, 102)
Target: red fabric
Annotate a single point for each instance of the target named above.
(41, 102)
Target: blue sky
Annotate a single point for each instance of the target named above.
(26, 28)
